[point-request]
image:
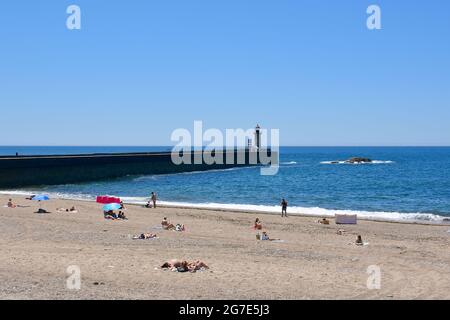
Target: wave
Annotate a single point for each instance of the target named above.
(305, 211)
(52, 195)
(288, 163)
(358, 163)
(293, 210)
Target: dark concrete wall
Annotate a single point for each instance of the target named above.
(25, 171)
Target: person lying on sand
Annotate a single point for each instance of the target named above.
(71, 210)
(258, 224)
(173, 263)
(145, 236)
(324, 221)
(110, 215)
(197, 265)
(184, 266)
(11, 204)
(341, 232)
(30, 197)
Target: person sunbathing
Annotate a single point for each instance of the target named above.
(184, 266)
(10, 204)
(145, 236)
(359, 241)
(71, 210)
(258, 224)
(174, 263)
(122, 216)
(197, 265)
(167, 225)
(110, 215)
(180, 227)
(266, 237)
(324, 221)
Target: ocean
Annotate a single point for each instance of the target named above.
(403, 183)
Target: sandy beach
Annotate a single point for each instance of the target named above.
(313, 262)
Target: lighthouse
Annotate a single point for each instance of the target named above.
(258, 136)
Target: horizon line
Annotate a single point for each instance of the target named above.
(281, 146)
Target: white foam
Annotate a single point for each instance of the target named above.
(293, 210)
(358, 163)
(288, 163)
(310, 211)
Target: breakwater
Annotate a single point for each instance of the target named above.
(25, 171)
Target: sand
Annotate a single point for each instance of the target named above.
(313, 262)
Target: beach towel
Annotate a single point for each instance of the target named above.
(346, 218)
(141, 238)
(359, 245)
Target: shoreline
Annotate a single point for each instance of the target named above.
(215, 207)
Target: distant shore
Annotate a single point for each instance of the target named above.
(312, 261)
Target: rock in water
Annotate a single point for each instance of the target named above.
(358, 160)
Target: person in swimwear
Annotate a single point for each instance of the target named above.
(359, 241)
(167, 225)
(145, 236)
(10, 204)
(184, 266)
(258, 224)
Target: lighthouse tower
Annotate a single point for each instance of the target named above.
(258, 136)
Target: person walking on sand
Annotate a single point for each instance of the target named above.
(284, 205)
(153, 198)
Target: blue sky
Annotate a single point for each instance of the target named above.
(137, 70)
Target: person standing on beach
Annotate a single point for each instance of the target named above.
(284, 205)
(153, 198)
